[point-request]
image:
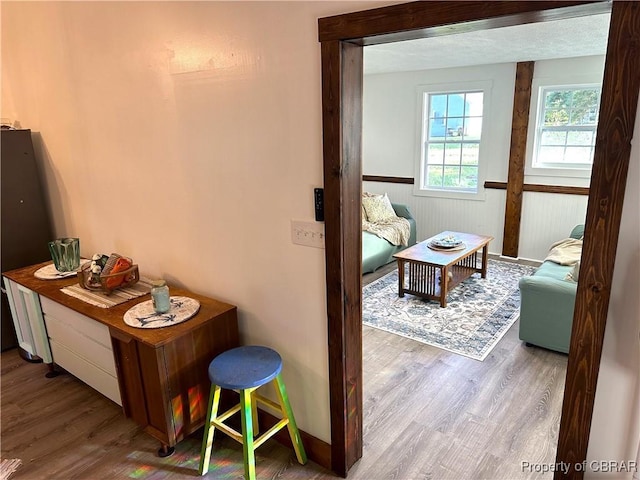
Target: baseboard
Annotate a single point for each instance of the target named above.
(518, 260)
(316, 449)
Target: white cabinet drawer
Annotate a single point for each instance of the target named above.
(91, 349)
(87, 372)
(83, 336)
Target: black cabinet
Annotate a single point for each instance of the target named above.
(26, 226)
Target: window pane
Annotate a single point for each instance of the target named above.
(557, 100)
(551, 154)
(470, 153)
(451, 176)
(454, 128)
(437, 106)
(556, 118)
(580, 138)
(473, 106)
(453, 153)
(578, 155)
(455, 105)
(584, 107)
(435, 153)
(473, 129)
(469, 177)
(434, 176)
(553, 138)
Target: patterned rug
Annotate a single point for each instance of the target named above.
(478, 313)
(8, 467)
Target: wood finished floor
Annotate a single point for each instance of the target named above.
(428, 415)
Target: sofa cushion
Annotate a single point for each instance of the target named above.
(553, 270)
(378, 207)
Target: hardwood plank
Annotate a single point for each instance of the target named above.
(517, 157)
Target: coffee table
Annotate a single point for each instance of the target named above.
(433, 273)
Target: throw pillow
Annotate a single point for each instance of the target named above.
(573, 273)
(378, 207)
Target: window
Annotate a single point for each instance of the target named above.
(566, 127)
(451, 137)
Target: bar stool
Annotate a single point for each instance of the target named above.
(245, 369)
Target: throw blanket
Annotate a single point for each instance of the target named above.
(395, 230)
(565, 252)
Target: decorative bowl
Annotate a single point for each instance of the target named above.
(107, 283)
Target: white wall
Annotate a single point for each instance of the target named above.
(615, 431)
(390, 129)
(187, 135)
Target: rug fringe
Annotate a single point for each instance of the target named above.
(8, 467)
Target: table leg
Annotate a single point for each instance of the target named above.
(400, 278)
(485, 251)
(444, 286)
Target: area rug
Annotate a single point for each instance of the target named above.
(8, 467)
(478, 312)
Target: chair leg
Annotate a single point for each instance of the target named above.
(248, 450)
(209, 429)
(291, 426)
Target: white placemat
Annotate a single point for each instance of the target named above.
(144, 316)
(117, 297)
(49, 272)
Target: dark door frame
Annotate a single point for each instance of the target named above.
(342, 40)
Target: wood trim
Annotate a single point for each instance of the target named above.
(375, 178)
(620, 87)
(533, 187)
(409, 21)
(517, 156)
(432, 19)
(316, 449)
(342, 71)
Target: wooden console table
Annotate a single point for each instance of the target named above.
(159, 376)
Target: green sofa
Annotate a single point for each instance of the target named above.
(376, 251)
(547, 301)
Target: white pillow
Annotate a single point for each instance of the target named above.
(378, 207)
(574, 273)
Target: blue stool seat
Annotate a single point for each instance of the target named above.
(245, 369)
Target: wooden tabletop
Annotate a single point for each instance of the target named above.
(113, 316)
(420, 252)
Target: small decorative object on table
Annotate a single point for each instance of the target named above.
(160, 296)
(446, 243)
(65, 253)
(106, 274)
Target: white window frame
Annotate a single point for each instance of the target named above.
(422, 102)
(540, 85)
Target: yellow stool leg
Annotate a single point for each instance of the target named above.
(209, 429)
(291, 426)
(254, 413)
(248, 450)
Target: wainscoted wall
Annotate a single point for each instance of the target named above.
(391, 147)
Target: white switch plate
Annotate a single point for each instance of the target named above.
(310, 234)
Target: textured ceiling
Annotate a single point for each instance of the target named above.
(574, 37)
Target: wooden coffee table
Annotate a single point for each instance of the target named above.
(433, 273)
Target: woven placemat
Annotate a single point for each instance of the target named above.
(116, 297)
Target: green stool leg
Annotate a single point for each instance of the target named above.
(209, 429)
(248, 450)
(291, 426)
